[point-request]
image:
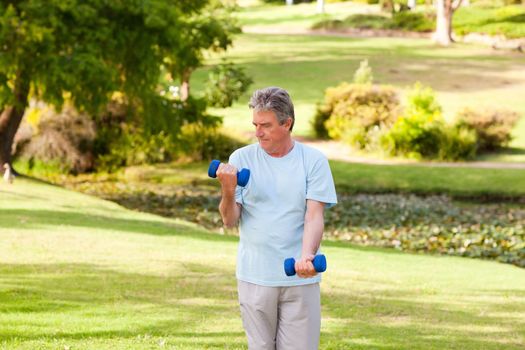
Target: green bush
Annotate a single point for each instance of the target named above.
(360, 21)
(414, 136)
(122, 140)
(135, 147)
(351, 111)
(200, 142)
(413, 21)
(421, 100)
(493, 128)
(226, 83)
(422, 133)
(457, 144)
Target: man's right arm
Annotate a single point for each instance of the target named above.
(230, 210)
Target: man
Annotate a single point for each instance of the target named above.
(281, 215)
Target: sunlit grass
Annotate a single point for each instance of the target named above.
(80, 273)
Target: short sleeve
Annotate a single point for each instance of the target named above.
(320, 183)
(235, 161)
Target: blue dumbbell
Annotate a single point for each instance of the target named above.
(242, 176)
(319, 265)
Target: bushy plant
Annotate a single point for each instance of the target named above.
(201, 142)
(492, 127)
(415, 136)
(422, 132)
(413, 21)
(363, 75)
(155, 138)
(134, 146)
(226, 83)
(457, 144)
(350, 111)
(64, 138)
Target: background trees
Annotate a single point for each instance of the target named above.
(81, 52)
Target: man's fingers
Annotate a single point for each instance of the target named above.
(305, 269)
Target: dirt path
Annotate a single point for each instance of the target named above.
(335, 150)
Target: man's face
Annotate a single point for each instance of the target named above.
(271, 135)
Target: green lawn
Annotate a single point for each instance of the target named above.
(423, 179)
(299, 16)
(462, 75)
(81, 273)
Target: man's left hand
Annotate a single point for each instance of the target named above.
(304, 266)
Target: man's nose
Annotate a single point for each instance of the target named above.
(258, 132)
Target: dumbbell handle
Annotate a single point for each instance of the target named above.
(242, 176)
(319, 263)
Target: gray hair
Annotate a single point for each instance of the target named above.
(276, 100)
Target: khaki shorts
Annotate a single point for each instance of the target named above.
(281, 318)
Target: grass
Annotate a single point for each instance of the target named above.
(81, 273)
(299, 16)
(507, 20)
(457, 182)
(495, 20)
(463, 75)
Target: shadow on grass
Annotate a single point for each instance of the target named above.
(190, 306)
(184, 304)
(403, 320)
(33, 219)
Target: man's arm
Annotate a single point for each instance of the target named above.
(229, 209)
(313, 233)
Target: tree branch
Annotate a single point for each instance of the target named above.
(456, 4)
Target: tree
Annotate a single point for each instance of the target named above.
(444, 11)
(320, 6)
(84, 50)
(213, 30)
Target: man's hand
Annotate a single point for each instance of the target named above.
(227, 175)
(304, 266)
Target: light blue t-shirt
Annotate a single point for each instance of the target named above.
(273, 209)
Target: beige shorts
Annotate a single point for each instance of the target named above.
(281, 318)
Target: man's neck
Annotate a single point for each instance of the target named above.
(283, 150)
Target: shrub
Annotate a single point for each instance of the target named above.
(200, 142)
(134, 147)
(413, 21)
(360, 21)
(226, 83)
(493, 128)
(422, 132)
(363, 75)
(422, 100)
(64, 138)
(415, 136)
(457, 144)
(350, 111)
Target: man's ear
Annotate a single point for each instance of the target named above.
(288, 123)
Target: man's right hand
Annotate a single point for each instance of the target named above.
(227, 175)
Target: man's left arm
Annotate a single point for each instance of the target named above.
(313, 233)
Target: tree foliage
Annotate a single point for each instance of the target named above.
(84, 50)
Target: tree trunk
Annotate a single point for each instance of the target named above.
(388, 6)
(444, 11)
(185, 85)
(11, 117)
(443, 23)
(320, 6)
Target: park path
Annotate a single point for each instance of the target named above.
(335, 150)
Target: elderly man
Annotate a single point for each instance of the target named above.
(281, 214)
